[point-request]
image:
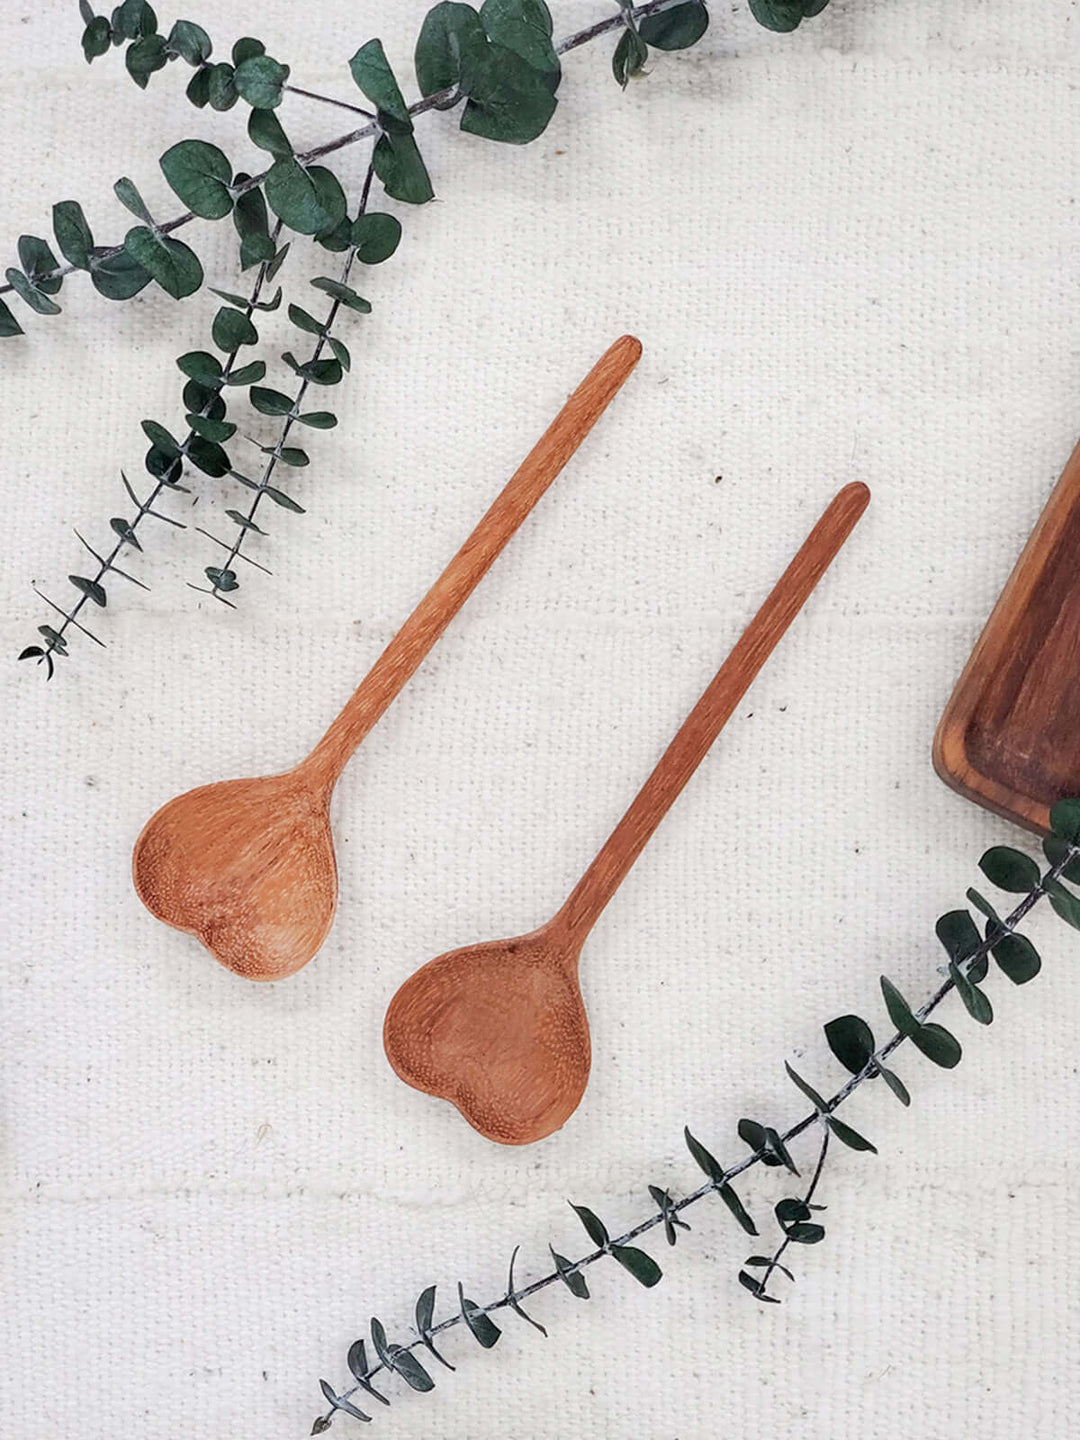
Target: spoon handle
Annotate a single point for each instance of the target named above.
(427, 622)
(707, 719)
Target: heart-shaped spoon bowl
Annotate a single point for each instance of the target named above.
(248, 867)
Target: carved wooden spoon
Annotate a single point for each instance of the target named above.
(248, 865)
(500, 1028)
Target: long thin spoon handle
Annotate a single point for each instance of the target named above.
(471, 563)
(706, 720)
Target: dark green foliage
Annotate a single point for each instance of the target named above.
(318, 419)
(307, 200)
(211, 459)
(1065, 904)
(221, 87)
(512, 1297)
(252, 225)
(1009, 869)
(270, 402)
(72, 233)
(343, 294)
(117, 277)
(39, 262)
(264, 130)
(975, 1002)
(171, 263)
(666, 1206)
(92, 589)
(375, 236)
(8, 324)
(1065, 821)
(484, 1329)
(766, 1143)
(245, 48)
(784, 15)
(572, 1279)
(642, 1267)
(425, 1311)
(400, 167)
(35, 297)
(317, 372)
(1017, 957)
(357, 1362)
(190, 42)
(677, 28)
(144, 57)
(337, 1402)
(200, 174)
(400, 1359)
(629, 57)
(96, 38)
(371, 71)
(232, 328)
(851, 1040)
(523, 26)
(594, 1226)
(259, 79)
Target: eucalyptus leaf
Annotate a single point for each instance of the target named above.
(134, 19)
(375, 236)
(39, 262)
(371, 71)
(245, 48)
(306, 200)
(232, 328)
(1065, 904)
(318, 419)
(159, 436)
(677, 28)
(72, 233)
(222, 579)
(264, 130)
(200, 365)
(208, 457)
(636, 1262)
(280, 498)
(344, 294)
(198, 88)
(900, 1012)
(737, 1208)
(305, 321)
(190, 41)
(318, 372)
(1055, 849)
(630, 56)
(119, 276)
(1009, 869)
(1065, 820)
(808, 1090)
(145, 57)
(8, 324)
(171, 263)
(96, 38)
(217, 430)
(425, 1313)
(221, 87)
(754, 1285)
(341, 352)
(259, 80)
(594, 1226)
(127, 193)
(451, 43)
(247, 374)
(523, 26)
(508, 100)
(200, 174)
(92, 589)
(895, 1084)
(938, 1045)
(482, 1326)
(270, 402)
(35, 298)
(400, 166)
(244, 521)
(975, 1002)
(778, 15)
(848, 1136)
(707, 1161)
(1018, 958)
(851, 1040)
(572, 1279)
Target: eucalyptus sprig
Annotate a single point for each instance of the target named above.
(497, 67)
(852, 1043)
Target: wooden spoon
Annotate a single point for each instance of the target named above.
(248, 865)
(500, 1028)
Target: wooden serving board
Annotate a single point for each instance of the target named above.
(1010, 735)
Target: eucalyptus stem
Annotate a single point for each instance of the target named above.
(329, 100)
(289, 421)
(1067, 904)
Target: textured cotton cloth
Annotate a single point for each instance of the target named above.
(850, 253)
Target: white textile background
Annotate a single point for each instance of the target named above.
(849, 253)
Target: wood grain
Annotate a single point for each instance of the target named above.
(499, 1028)
(1008, 736)
(248, 866)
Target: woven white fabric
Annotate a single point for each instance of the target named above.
(849, 253)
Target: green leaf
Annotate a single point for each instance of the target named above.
(318, 419)
(778, 15)
(166, 469)
(232, 328)
(35, 298)
(222, 579)
(208, 457)
(677, 28)
(396, 1357)
(8, 324)
(594, 1226)
(451, 43)
(247, 374)
(735, 1205)
(200, 174)
(198, 88)
(523, 26)
(289, 455)
(264, 130)
(708, 1162)
(245, 48)
(217, 430)
(630, 56)
(1065, 820)
(306, 200)
(753, 1134)
(39, 262)
(900, 1012)
(375, 236)
(205, 399)
(512, 1298)
(159, 436)
(96, 38)
(1055, 851)
(280, 498)
(244, 521)
(144, 57)
(956, 931)
(808, 1090)
(372, 73)
(243, 302)
(975, 1002)
(133, 19)
(343, 293)
(1018, 958)
(895, 1084)
(338, 239)
(190, 41)
(425, 1312)
(72, 233)
(259, 81)
(90, 588)
(938, 1045)
(304, 321)
(642, 1267)
(572, 1279)
(851, 1040)
(400, 166)
(754, 1285)
(171, 263)
(483, 1328)
(776, 1145)
(318, 372)
(1065, 904)
(200, 365)
(118, 277)
(221, 87)
(1009, 869)
(508, 100)
(848, 1136)
(981, 903)
(666, 1206)
(128, 195)
(270, 402)
(337, 1402)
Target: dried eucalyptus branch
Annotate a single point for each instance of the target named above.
(851, 1041)
(499, 64)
